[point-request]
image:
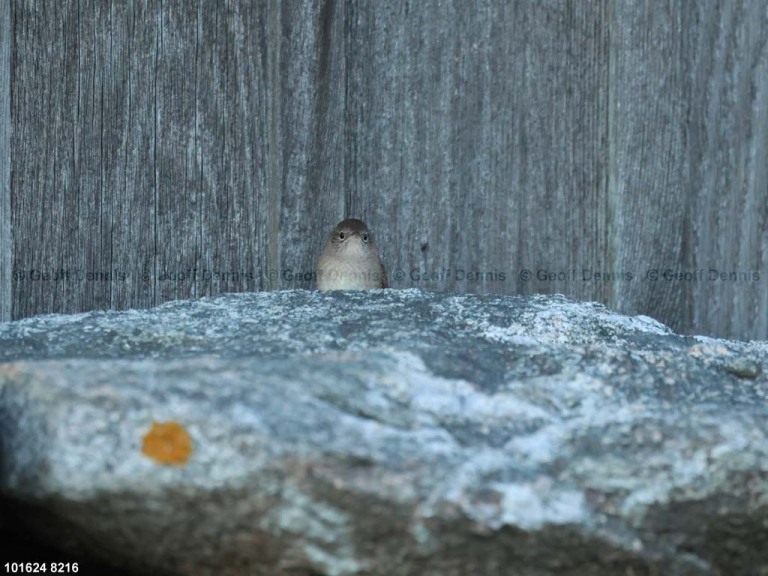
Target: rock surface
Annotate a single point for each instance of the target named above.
(386, 433)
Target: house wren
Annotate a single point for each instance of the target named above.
(350, 259)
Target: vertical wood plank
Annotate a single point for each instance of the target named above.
(140, 152)
(479, 148)
(212, 140)
(83, 215)
(5, 162)
(269, 241)
(129, 70)
(648, 189)
(313, 64)
(728, 152)
(55, 218)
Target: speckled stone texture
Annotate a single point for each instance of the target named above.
(387, 433)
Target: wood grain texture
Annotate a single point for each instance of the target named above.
(689, 137)
(312, 134)
(45, 186)
(479, 151)
(728, 151)
(648, 194)
(140, 145)
(5, 162)
(212, 122)
(506, 147)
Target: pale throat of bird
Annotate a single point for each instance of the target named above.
(353, 248)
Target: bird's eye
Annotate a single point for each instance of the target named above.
(365, 237)
(341, 235)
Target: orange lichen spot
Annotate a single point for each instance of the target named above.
(167, 443)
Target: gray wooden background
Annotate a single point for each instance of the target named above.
(610, 151)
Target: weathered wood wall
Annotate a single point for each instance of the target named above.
(177, 149)
(5, 161)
